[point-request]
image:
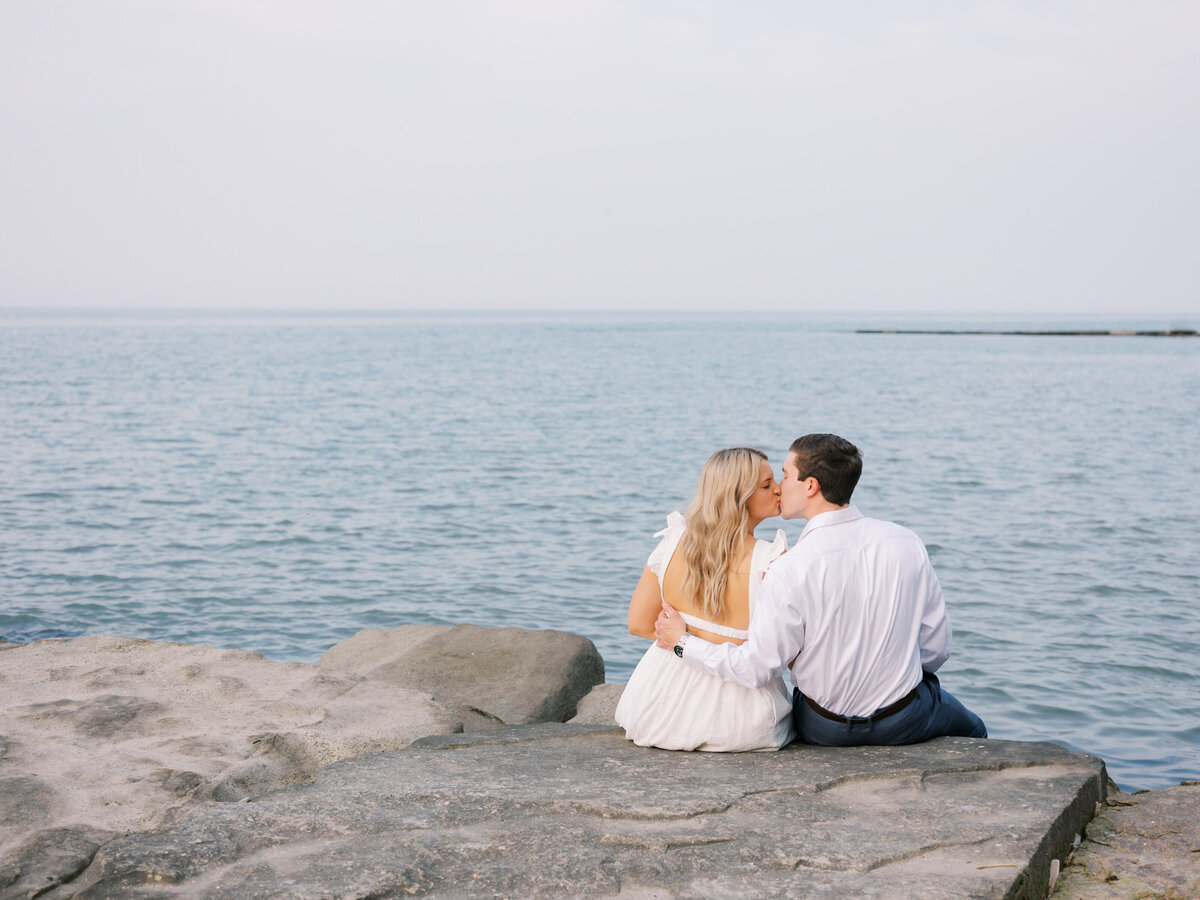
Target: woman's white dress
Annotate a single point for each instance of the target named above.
(673, 705)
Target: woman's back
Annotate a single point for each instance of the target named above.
(666, 568)
(735, 613)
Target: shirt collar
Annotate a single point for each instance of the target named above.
(833, 517)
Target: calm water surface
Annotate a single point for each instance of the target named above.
(279, 483)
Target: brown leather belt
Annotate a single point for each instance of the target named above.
(881, 713)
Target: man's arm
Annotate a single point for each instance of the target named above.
(776, 636)
(934, 638)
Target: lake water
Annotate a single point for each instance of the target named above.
(278, 483)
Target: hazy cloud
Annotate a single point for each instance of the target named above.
(982, 156)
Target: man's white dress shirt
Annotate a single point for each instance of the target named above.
(858, 600)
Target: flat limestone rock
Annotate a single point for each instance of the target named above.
(487, 676)
(102, 735)
(1140, 845)
(556, 810)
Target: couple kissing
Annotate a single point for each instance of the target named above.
(854, 612)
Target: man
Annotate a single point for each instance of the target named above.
(854, 610)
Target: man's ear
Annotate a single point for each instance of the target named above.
(812, 487)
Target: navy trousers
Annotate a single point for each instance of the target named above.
(932, 713)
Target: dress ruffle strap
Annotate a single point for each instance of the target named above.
(675, 522)
(657, 563)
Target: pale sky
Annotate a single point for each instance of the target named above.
(1029, 157)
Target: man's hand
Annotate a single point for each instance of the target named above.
(668, 627)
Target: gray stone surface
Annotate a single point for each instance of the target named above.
(599, 706)
(1139, 845)
(488, 677)
(48, 859)
(559, 810)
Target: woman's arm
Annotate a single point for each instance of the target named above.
(645, 606)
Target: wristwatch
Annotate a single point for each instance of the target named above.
(679, 644)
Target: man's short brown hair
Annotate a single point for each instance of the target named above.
(833, 461)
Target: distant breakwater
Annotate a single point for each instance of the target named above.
(1175, 332)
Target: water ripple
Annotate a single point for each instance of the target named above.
(279, 487)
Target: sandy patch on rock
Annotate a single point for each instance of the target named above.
(121, 734)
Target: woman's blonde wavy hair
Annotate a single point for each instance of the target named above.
(716, 526)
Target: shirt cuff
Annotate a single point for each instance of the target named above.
(691, 648)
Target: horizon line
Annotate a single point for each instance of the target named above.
(599, 310)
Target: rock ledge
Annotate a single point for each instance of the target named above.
(557, 810)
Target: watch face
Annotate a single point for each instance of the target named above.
(679, 650)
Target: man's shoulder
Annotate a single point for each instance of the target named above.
(858, 532)
(888, 528)
(882, 531)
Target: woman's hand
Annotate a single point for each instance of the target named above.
(668, 627)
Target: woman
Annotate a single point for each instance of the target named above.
(709, 567)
